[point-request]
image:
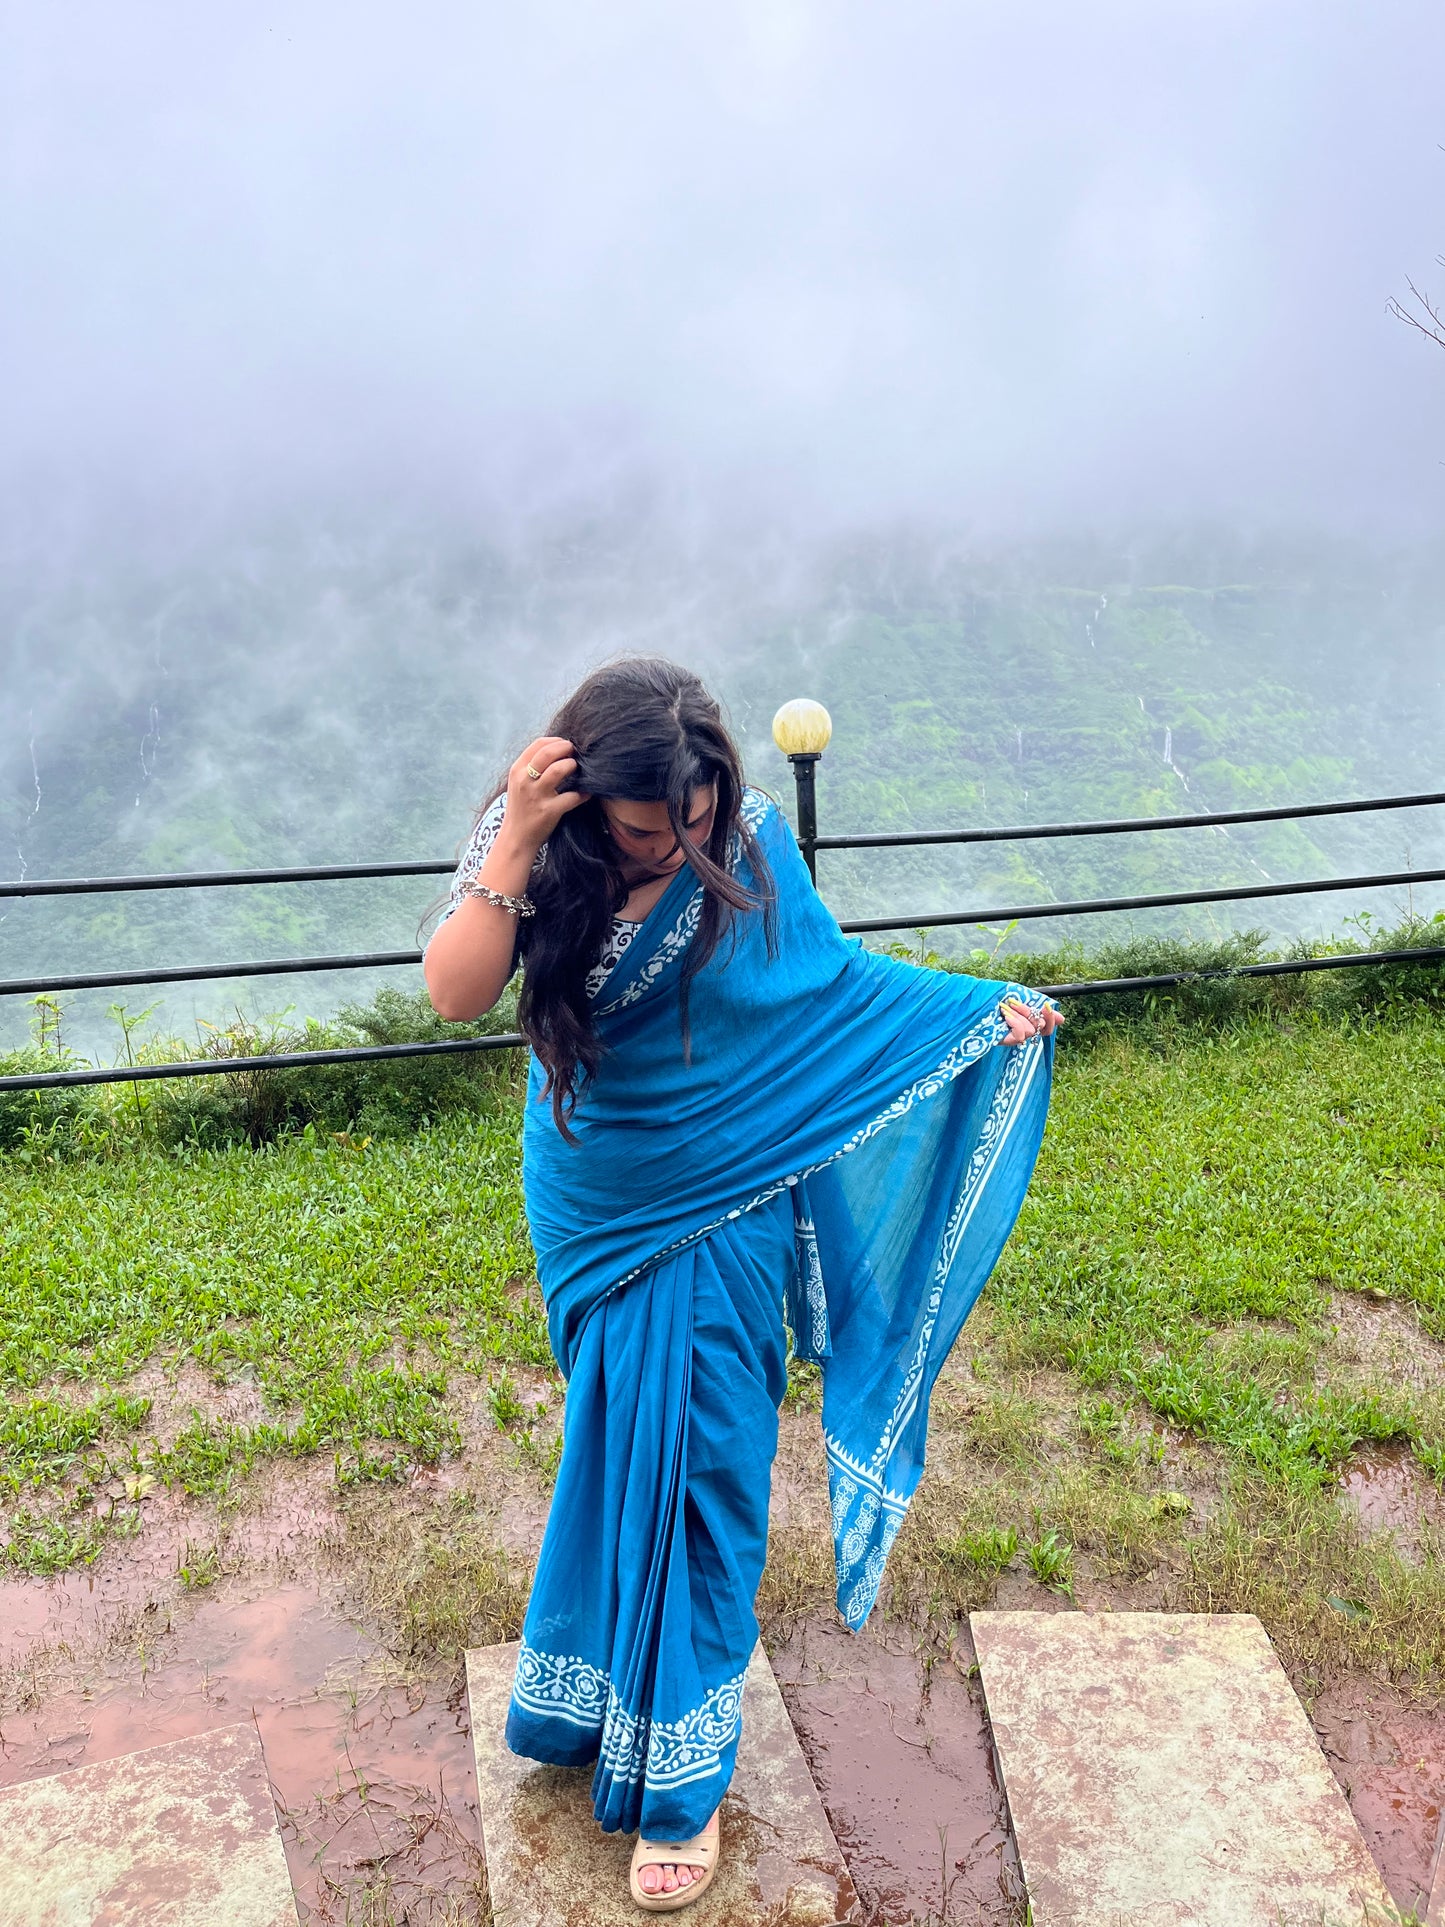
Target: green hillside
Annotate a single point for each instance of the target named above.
(1054, 704)
(321, 703)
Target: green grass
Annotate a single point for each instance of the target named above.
(1051, 1560)
(1194, 1209)
(343, 1281)
(992, 1549)
(42, 1439)
(298, 1262)
(1202, 1193)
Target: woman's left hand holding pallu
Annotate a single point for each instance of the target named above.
(1025, 1023)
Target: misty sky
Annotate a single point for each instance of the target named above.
(1021, 264)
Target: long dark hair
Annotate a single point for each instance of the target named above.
(643, 731)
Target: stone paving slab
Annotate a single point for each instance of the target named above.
(1159, 1769)
(182, 1835)
(550, 1865)
(1435, 1906)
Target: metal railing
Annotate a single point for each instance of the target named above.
(810, 842)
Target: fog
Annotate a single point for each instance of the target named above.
(365, 373)
(766, 260)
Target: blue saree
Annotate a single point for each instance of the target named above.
(843, 1153)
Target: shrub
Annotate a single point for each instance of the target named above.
(30, 1116)
(376, 1097)
(385, 1097)
(1221, 1002)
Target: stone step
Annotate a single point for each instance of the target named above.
(550, 1865)
(182, 1835)
(1434, 1915)
(1159, 1769)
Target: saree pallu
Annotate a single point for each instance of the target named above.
(837, 1158)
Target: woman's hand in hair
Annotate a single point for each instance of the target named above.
(536, 801)
(470, 960)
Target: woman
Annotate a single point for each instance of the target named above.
(737, 1120)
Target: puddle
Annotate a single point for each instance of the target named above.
(373, 1777)
(1389, 1491)
(1387, 1338)
(907, 1779)
(51, 1628)
(1388, 1753)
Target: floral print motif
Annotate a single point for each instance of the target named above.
(663, 1753)
(754, 808)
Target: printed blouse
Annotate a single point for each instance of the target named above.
(475, 855)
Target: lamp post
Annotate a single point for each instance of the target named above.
(802, 730)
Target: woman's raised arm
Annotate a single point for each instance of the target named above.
(470, 959)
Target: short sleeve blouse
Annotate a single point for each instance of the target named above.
(475, 855)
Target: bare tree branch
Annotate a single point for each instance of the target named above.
(1423, 315)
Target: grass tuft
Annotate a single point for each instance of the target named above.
(799, 1578)
(992, 1549)
(439, 1580)
(42, 1545)
(1051, 1560)
(1331, 1595)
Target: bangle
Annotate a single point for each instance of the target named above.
(518, 906)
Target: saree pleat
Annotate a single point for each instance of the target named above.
(640, 1623)
(839, 1144)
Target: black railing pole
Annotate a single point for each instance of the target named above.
(803, 768)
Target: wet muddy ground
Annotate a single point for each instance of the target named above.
(1388, 1753)
(901, 1756)
(1385, 1486)
(372, 1774)
(369, 1760)
(369, 1753)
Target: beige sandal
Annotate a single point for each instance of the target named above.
(701, 1852)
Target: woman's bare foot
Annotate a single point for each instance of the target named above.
(670, 1876)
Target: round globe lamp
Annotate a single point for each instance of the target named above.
(802, 728)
